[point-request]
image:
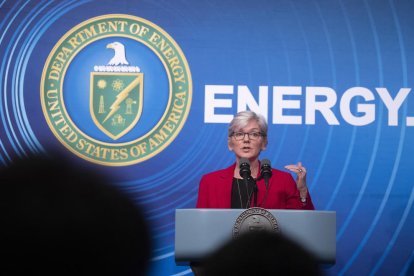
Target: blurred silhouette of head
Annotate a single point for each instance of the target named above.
(60, 219)
(263, 253)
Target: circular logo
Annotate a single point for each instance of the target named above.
(255, 220)
(116, 90)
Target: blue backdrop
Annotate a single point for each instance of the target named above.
(332, 77)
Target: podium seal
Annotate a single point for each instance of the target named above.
(255, 220)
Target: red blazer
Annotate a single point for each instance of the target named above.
(215, 191)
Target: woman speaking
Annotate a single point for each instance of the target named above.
(249, 182)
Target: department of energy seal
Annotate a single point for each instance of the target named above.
(116, 90)
(255, 220)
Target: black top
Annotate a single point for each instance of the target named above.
(242, 193)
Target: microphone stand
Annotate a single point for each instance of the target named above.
(255, 190)
(267, 191)
(246, 184)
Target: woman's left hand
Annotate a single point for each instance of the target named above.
(300, 175)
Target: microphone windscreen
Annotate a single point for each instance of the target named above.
(266, 162)
(265, 169)
(244, 168)
(244, 161)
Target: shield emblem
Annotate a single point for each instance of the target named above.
(116, 101)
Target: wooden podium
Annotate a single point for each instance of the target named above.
(199, 232)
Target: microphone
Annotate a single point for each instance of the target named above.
(244, 170)
(266, 174)
(244, 166)
(266, 171)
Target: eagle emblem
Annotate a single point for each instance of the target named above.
(119, 56)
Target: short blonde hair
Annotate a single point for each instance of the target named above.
(241, 120)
